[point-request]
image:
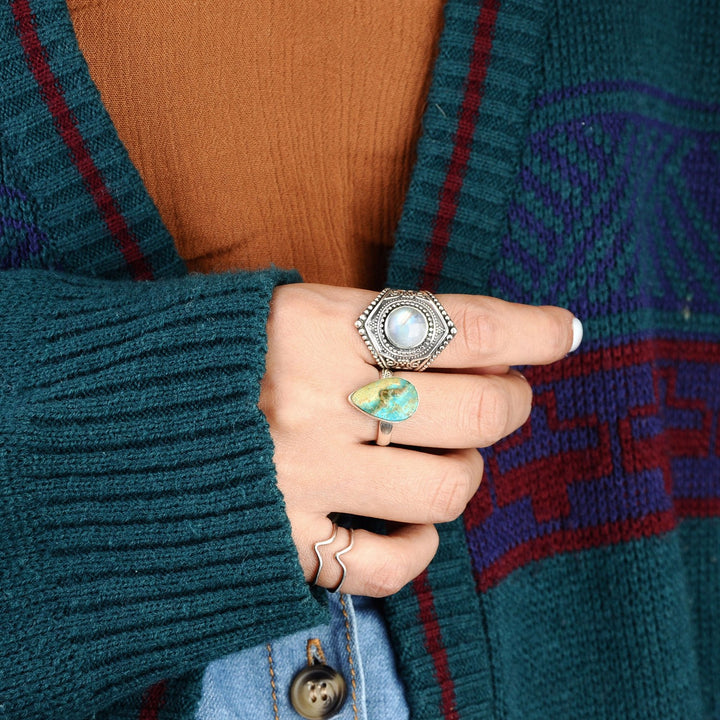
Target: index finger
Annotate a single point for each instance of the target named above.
(496, 332)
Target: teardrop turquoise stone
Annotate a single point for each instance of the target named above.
(391, 399)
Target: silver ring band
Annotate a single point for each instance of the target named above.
(317, 552)
(336, 555)
(384, 433)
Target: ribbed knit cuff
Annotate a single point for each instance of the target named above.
(144, 532)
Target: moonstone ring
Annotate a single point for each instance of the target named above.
(405, 329)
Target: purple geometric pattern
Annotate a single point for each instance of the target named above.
(22, 244)
(621, 442)
(616, 215)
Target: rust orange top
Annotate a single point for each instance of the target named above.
(276, 131)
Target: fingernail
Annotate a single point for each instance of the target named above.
(577, 330)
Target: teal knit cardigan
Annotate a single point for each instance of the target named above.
(570, 155)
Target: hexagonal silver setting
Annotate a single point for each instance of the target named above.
(371, 326)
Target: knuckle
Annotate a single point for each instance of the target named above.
(479, 464)
(471, 404)
(479, 330)
(389, 577)
(453, 493)
(492, 414)
(433, 547)
(283, 405)
(527, 401)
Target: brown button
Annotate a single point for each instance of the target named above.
(318, 692)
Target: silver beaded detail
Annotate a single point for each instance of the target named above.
(373, 329)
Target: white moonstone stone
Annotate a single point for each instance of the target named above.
(406, 327)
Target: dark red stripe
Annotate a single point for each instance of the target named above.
(697, 507)
(568, 540)
(627, 355)
(67, 126)
(449, 195)
(434, 645)
(153, 700)
(462, 143)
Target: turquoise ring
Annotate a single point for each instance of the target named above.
(389, 400)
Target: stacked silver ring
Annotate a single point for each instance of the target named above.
(337, 556)
(403, 330)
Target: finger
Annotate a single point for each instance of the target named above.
(459, 411)
(404, 485)
(485, 370)
(379, 565)
(495, 332)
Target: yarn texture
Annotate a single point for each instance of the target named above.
(570, 155)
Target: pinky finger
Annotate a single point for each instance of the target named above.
(379, 565)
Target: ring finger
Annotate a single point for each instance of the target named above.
(458, 411)
(378, 565)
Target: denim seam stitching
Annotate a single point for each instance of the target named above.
(353, 680)
(272, 681)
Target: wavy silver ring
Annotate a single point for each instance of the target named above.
(317, 552)
(405, 329)
(336, 555)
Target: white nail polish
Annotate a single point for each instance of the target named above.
(577, 330)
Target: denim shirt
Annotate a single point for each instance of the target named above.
(255, 684)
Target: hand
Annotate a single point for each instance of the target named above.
(324, 452)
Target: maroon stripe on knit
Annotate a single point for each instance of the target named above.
(153, 700)
(434, 645)
(698, 507)
(434, 258)
(462, 143)
(583, 539)
(66, 123)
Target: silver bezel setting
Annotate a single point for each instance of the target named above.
(371, 326)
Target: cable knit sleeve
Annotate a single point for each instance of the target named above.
(143, 533)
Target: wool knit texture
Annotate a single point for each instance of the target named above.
(570, 155)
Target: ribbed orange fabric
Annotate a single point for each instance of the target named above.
(269, 131)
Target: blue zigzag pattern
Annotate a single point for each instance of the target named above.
(619, 213)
